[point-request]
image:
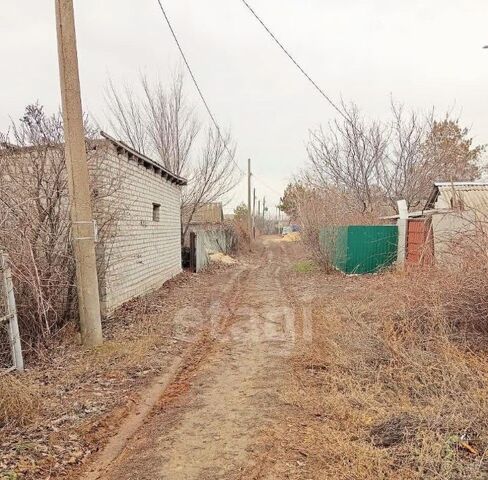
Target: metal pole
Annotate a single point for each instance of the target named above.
(13, 325)
(83, 228)
(249, 213)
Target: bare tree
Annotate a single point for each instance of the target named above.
(422, 150)
(346, 156)
(127, 117)
(173, 126)
(160, 122)
(212, 177)
(379, 163)
(403, 171)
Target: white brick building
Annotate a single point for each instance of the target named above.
(145, 248)
(137, 209)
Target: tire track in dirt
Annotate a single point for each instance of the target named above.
(162, 389)
(206, 423)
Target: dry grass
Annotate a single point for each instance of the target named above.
(86, 393)
(20, 401)
(395, 382)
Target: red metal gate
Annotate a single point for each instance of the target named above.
(420, 245)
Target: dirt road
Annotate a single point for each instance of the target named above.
(270, 369)
(292, 373)
(208, 419)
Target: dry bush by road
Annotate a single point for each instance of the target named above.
(20, 401)
(395, 382)
(315, 208)
(35, 227)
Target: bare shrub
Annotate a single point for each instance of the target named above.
(240, 225)
(316, 208)
(232, 239)
(36, 225)
(451, 301)
(395, 430)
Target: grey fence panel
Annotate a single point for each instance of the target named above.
(212, 241)
(8, 314)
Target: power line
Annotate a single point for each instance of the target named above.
(265, 185)
(288, 54)
(200, 93)
(199, 90)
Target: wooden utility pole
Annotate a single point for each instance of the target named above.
(279, 218)
(249, 212)
(83, 227)
(254, 213)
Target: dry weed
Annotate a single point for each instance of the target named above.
(20, 401)
(395, 382)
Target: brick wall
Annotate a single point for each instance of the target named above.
(134, 253)
(141, 253)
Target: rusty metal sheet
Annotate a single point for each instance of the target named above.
(420, 247)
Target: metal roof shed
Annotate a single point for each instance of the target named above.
(459, 196)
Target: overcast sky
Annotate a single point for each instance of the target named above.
(423, 52)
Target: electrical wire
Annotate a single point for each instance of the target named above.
(199, 90)
(202, 97)
(269, 187)
(290, 56)
(307, 76)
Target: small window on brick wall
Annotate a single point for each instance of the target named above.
(156, 212)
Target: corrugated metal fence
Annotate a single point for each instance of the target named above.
(360, 248)
(210, 241)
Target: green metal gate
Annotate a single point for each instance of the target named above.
(360, 248)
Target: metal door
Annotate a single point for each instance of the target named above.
(193, 252)
(420, 245)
